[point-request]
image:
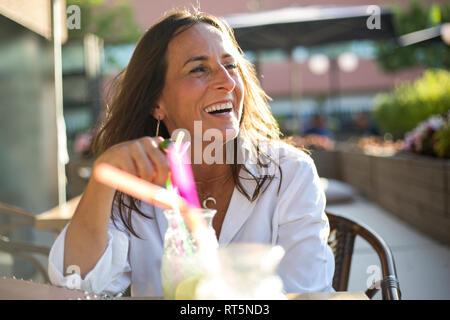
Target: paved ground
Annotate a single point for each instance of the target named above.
(423, 264)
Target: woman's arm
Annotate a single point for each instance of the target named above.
(86, 237)
(303, 230)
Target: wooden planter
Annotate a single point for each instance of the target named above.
(327, 163)
(356, 170)
(415, 188)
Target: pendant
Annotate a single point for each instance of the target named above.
(206, 201)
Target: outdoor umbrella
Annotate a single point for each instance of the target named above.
(290, 27)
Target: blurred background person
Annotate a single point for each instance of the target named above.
(318, 125)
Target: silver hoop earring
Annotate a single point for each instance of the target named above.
(157, 127)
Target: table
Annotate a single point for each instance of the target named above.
(15, 289)
(56, 219)
(340, 295)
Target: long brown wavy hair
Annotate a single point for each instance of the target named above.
(137, 88)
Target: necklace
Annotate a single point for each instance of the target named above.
(207, 197)
(205, 201)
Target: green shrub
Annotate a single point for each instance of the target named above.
(442, 145)
(408, 104)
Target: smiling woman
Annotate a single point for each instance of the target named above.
(186, 70)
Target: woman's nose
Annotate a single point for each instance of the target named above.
(223, 80)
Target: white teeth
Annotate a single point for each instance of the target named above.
(220, 106)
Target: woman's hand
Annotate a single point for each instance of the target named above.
(141, 157)
(88, 229)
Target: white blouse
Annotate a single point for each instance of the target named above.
(294, 218)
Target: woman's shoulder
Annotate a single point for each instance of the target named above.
(298, 171)
(288, 156)
(281, 155)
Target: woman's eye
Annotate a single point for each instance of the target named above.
(198, 69)
(231, 66)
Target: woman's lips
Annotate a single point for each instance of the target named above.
(224, 114)
(220, 105)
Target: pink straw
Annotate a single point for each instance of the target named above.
(182, 176)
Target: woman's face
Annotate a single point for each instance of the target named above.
(202, 83)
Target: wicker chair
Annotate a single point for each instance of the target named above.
(342, 238)
(21, 218)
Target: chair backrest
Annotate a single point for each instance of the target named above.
(343, 232)
(21, 218)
